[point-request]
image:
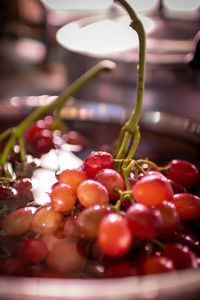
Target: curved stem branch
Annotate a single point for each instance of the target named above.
(22, 149)
(132, 124)
(105, 65)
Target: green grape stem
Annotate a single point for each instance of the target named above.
(130, 130)
(17, 132)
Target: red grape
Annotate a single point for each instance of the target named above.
(18, 221)
(64, 258)
(187, 205)
(181, 256)
(46, 220)
(75, 138)
(7, 192)
(24, 188)
(97, 161)
(156, 264)
(177, 187)
(120, 269)
(89, 219)
(50, 240)
(114, 235)
(63, 197)
(144, 222)
(39, 138)
(42, 144)
(141, 175)
(72, 177)
(70, 228)
(13, 266)
(152, 190)
(91, 192)
(33, 250)
(183, 172)
(34, 130)
(111, 179)
(170, 217)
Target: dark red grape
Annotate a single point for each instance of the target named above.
(177, 187)
(75, 138)
(42, 145)
(120, 269)
(7, 192)
(24, 188)
(14, 266)
(156, 264)
(181, 256)
(144, 222)
(170, 217)
(187, 205)
(34, 130)
(70, 229)
(33, 250)
(39, 138)
(97, 161)
(183, 172)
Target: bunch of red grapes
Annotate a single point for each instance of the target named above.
(42, 136)
(93, 227)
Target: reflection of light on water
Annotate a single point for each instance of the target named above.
(44, 177)
(102, 37)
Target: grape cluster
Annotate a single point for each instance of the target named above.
(43, 135)
(98, 225)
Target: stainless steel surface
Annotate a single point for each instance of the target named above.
(170, 124)
(184, 285)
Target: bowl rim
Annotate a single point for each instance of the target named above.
(179, 284)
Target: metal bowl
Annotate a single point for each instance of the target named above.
(101, 123)
(183, 285)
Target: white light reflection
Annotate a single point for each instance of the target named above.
(156, 117)
(139, 5)
(44, 177)
(78, 4)
(30, 50)
(103, 37)
(42, 182)
(180, 5)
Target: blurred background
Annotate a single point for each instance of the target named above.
(32, 60)
(45, 45)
